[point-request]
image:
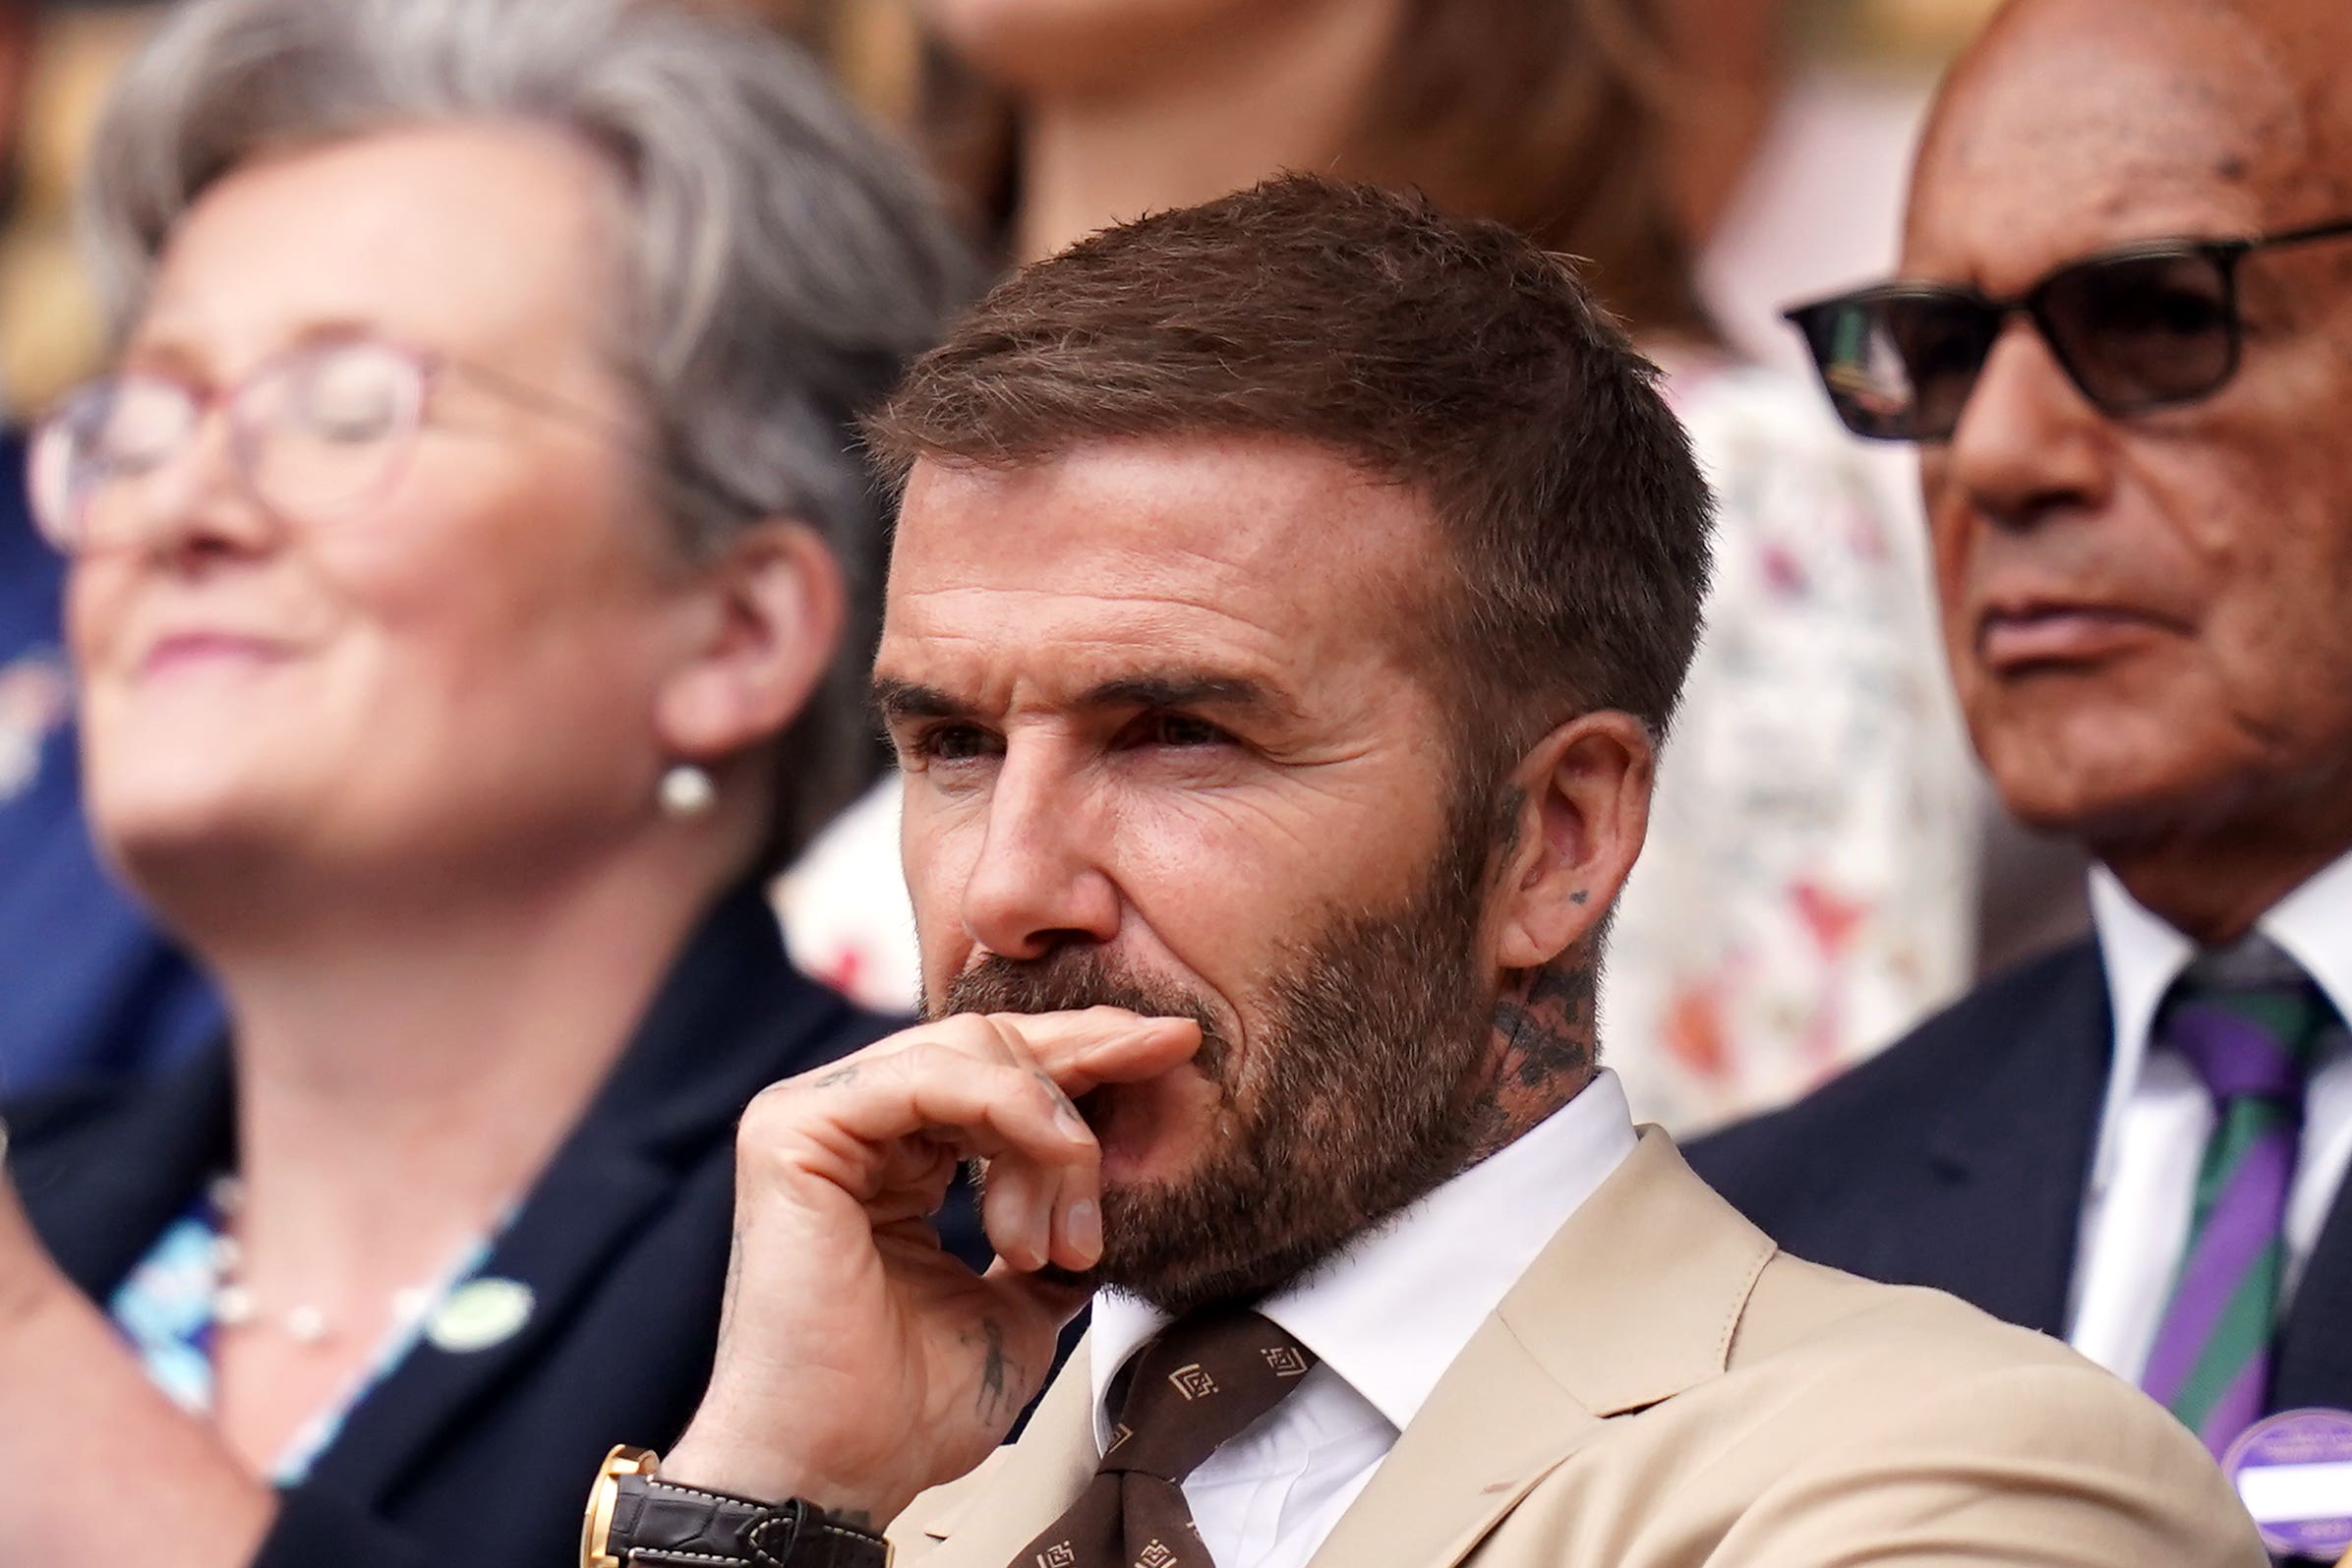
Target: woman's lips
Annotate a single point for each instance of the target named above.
(183, 651)
(2058, 635)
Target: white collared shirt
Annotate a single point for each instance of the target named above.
(1386, 1319)
(2152, 1131)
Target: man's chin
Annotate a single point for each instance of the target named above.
(1186, 1248)
(1149, 1235)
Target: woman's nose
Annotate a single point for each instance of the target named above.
(195, 501)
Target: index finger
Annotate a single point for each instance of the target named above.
(1092, 1046)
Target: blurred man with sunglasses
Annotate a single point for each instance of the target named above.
(2121, 340)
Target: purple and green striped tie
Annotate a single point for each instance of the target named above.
(2248, 1019)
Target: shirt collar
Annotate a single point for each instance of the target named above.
(2143, 954)
(2313, 924)
(1478, 1233)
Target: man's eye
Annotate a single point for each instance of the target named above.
(953, 743)
(1176, 730)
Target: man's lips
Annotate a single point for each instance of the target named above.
(1120, 1116)
(1145, 1127)
(2050, 633)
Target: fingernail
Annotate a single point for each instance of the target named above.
(1040, 1231)
(1073, 1125)
(1085, 1226)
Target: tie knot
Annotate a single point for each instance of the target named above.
(1200, 1383)
(2248, 1019)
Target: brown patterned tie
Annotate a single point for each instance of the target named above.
(1202, 1381)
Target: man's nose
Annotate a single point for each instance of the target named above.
(2029, 444)
(1039, 882)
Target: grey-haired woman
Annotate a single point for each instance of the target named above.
(461, 548)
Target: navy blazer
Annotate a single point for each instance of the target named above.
(1957, 1159)
(483, 1459)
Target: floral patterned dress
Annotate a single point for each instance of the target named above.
(1809, 889)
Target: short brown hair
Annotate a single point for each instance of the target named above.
(1454, 355)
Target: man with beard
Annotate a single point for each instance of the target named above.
(1287, 596)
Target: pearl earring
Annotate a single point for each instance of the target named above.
(687, 793)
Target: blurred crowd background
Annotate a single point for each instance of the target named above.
(1784, 128)
(475, 387)
(1800, 175)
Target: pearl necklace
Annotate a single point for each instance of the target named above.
(234, 1304)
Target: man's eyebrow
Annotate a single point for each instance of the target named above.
(1184, 688)
(899, 699)
(903, 699)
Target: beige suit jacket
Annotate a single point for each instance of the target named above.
(1664, 1389)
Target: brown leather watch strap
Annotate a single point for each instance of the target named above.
(662, 1525)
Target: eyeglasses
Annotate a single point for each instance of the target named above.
(2135, 329)
(316, 432)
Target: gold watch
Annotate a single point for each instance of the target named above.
(636, 1519)
(595, 1531)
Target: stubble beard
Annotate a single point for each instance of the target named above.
(1368, 1084)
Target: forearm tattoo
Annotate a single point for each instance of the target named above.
(995, 1402)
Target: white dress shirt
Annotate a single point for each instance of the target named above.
(2153, 1132)
(1387, 1318)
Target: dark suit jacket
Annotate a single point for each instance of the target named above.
(485, 1458)
(1957, 1158)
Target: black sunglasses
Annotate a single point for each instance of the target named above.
(2134, 329)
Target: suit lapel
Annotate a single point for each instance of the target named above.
(1493, 1427)
(580, 1214)
(731, 1018)
(1997, 1203)
(1631, 1302)
(2314, 1354)
(102, 1194)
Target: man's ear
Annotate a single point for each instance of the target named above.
(1583, 795)
(773, 610)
